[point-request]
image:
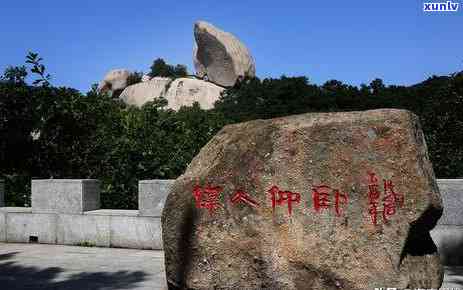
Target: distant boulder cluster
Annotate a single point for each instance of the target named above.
(219, 58)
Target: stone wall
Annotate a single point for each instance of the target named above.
(67, 212)
(448, 234)
(65, 195)
(2, 193)
(150, 201)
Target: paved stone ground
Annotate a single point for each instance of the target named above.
(55, 267)
(38, 266)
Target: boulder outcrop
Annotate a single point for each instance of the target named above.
(186, 91)
(146, 78)
(220, 56)
(115, 79)
(141, 93)
(311, 201)
(219, 59)
(178, 92)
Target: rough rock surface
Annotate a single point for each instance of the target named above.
(186, 91)
(178, 92)
(141, 93)
(220, 55)
(145, 78)
(240, 246)
(115, 79)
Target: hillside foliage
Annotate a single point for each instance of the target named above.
(56, 132)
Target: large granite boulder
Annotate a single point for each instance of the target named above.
(178, 92)
(146, 78)
(186, 91)
(141, 93)
(114, 80)
(220, 56)
(312, 201)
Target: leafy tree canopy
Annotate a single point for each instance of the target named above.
(161, 69)
(15, 74)
(47, 131)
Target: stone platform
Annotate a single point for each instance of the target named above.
(44, 267)
(57, 267)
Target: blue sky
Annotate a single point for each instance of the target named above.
(351, 41)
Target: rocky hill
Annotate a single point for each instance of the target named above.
(219, 58)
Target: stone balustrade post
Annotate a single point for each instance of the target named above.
(70, 196)
(152, 195)
(2, 193)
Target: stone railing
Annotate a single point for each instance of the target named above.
(2, 193)
(448, 233)
(67, 211)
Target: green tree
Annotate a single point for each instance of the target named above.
(180, 70)
(38, 68)
(161, 69)
(47, 131)
(377, 86)
(15, 74)
(134, 78)
(437, 101)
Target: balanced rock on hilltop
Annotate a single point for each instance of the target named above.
(114, 80)
(220, 56)
(312, 201)
(219, 59)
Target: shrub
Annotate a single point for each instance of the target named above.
(437, 101)
(47, 131)
(161, 69)
(134, 78)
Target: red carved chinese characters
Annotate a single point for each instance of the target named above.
(373, 196)
(283, 196)
(210, 202)
(320, 198)
(339, 198)
(323, 196)
(244, 197)
(390, 201)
